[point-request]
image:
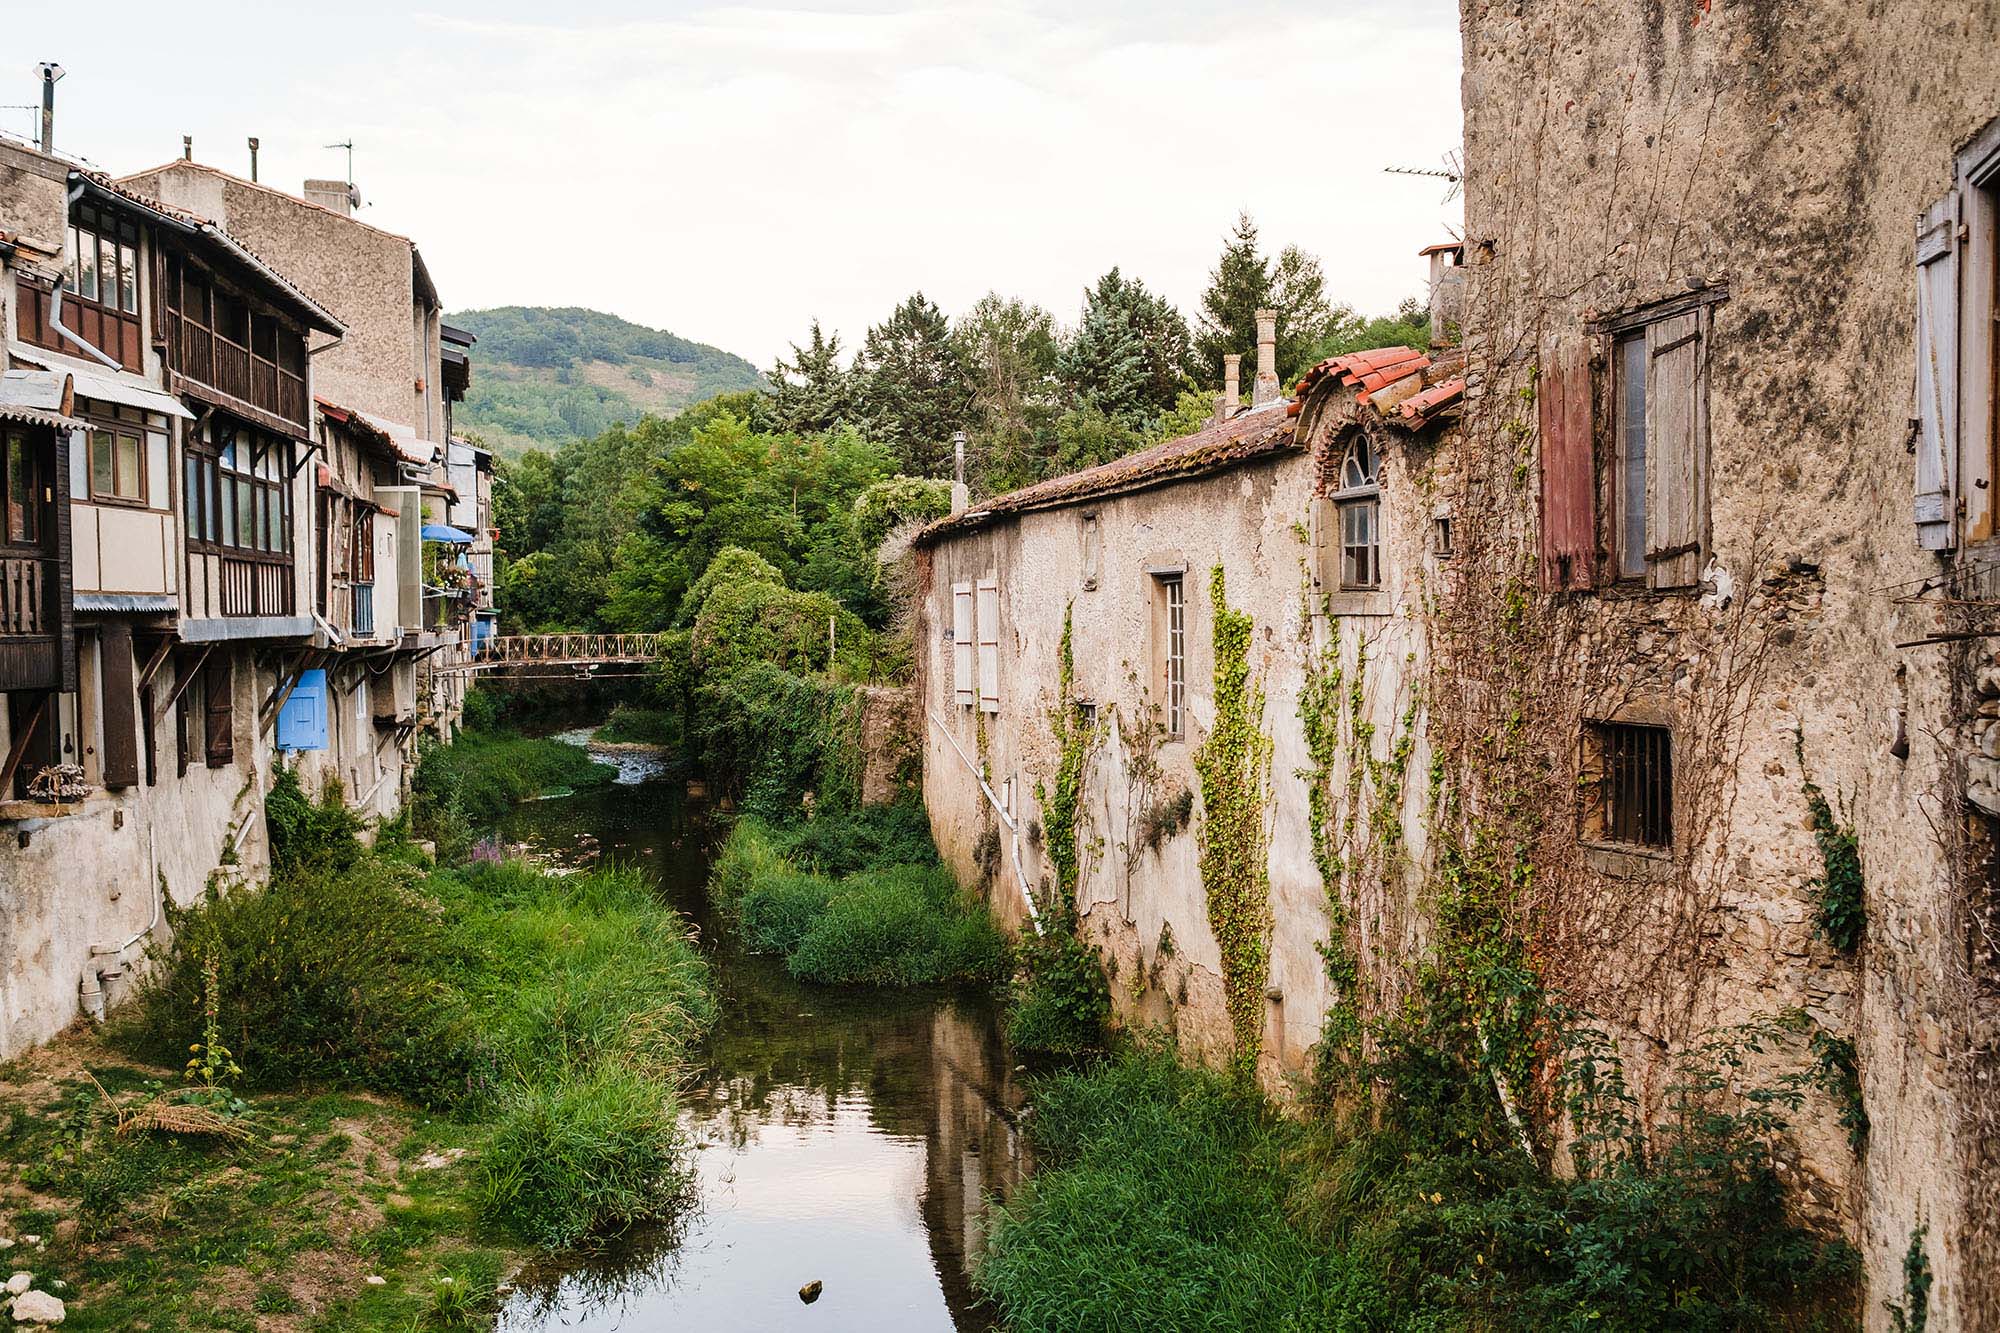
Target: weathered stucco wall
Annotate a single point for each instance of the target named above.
(1622, 154)
(1140, 895)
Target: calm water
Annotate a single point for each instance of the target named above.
(847, 1137)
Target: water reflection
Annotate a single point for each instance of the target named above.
(845, 1137)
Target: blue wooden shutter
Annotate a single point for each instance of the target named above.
(302, 721)
(1937, 375)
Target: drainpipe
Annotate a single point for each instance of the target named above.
(55, 303)
(999, 809)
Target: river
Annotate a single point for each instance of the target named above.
(852, 1138)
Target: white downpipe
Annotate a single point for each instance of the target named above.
(1013, 829)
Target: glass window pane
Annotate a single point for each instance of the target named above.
(69, 261)
(20, 484)
(102, 479)
(210, 500)
(191, 495)
(129, 450)
(107, 270)
(86, 266)
(1632, 455)
(128, 279)
(246, 513)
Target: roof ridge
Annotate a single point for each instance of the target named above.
(300, 200)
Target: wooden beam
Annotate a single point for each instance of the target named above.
(19, 750)
(186, 679)
(154, 663)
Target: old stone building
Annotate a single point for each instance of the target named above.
(1730, 271)
(1078, 619)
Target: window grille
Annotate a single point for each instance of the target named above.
(1176, 664)
(1635, 784)
(1359, 502)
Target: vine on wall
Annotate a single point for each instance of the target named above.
(1838, 887)
(1232, 763)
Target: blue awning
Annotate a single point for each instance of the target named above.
(442, 532)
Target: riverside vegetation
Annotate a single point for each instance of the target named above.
(411, 1072)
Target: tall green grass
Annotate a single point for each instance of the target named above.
(466, 785)
(856, 898)
(556, 1012)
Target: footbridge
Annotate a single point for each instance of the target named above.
(592, 656)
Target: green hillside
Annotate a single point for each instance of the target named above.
(542, 375)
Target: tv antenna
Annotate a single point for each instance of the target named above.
(1453, 171)
(348, 144)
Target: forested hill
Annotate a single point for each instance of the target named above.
(544, 375)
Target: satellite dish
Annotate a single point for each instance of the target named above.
(354, 197)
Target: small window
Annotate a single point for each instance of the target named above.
(1629, 773)
(1358, 503)
(1441, 537)
(117, 465)
(1171, 668)
(19, 487)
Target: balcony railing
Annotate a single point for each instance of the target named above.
(23, 586)
(256, 587)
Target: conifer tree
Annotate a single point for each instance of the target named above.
(1244, 282)
(1129, 354)
(814, 393)
(915, 389)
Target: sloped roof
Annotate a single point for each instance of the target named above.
(38, 398)
(1404, 386)
(276, 284)
(1248, 435)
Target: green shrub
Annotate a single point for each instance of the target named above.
(630, 724)
(855, 898)
(307, 832)
(1061, 1003)
(899, 926)
(471, 782)
(481, 711)
(329, 974)
(767, 737)
(583, 1156)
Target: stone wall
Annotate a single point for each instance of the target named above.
(1618, 155)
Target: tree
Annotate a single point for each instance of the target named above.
(1009, 350)
(814, 392)
(1244, 282)
(1128, 358)
(915, 387)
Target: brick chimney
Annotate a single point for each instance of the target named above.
(336, 195)
(1231, 397)
(1266, 388)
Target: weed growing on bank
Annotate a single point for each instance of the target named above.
(632, 724)
(856, 898)
(464, 786)
(555, 1013)
(1175, 1198)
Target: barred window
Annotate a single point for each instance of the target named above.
(1629, 773)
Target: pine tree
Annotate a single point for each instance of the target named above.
(1129, 355)
(814, 393)
(915, 388)
(1244, 282)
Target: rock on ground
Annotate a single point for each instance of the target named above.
(38, 1307)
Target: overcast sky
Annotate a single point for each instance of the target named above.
(730, 173)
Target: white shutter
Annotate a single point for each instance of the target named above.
(1937, 374)
(1674, 462)
(961, 644)
(989, 645)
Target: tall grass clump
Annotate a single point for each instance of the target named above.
(856, 898)
(463, 786)
(633, 724)
(556, 1012)
(1060, 1004)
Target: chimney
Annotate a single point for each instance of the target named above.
(336, 195)
(50, 72)
(253, 159)
(187, 148)
(1266, 387)
(1447, 292)
(961, 494)
(1232, 377)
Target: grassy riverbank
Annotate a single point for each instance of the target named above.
(1171, 1198)
(419, 1075)
(856, 897)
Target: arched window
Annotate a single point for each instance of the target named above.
(1359, 504)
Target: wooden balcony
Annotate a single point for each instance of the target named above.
(24, 585)
(256, 587)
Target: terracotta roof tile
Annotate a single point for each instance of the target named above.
(1396, 373)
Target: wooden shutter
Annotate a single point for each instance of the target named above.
(989, 645)
(1937, 374)
(1675, 468)
(1569, 472)
(119, 759)
(219, 696)
(961, 644)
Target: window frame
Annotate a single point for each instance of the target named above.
(226, 477)
(16, 441)
(1614, 754)
(1359, 500)
(1631, 328)
(121, 234)
(125, 422)
(1170, 666)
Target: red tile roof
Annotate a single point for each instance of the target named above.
(1222, 444)
(1416, 404)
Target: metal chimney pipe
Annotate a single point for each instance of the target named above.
(50, 72)
(253, 159)
(1266, 387)
(187, 148)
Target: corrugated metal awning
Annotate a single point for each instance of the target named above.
(105, 385)
(38, 397)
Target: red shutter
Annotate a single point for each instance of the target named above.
(1569, 476)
